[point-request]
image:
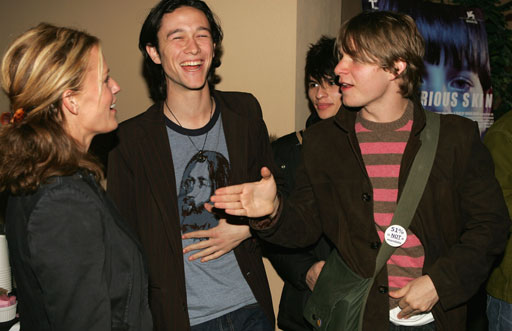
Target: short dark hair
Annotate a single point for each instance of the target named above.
(321, 60)
(382, 38)
(154, 73)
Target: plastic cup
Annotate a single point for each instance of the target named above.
(4, 253)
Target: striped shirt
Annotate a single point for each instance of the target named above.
(382, 146)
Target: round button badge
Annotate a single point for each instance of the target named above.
(395, 235)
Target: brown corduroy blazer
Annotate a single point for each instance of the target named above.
(141, 182)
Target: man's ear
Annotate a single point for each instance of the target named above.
(69, 102)
(153, 54)
(399, 67)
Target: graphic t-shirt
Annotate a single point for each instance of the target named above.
(217, 287)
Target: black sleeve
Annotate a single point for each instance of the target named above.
(66, 244)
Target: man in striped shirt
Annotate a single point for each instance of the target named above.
(354, 169)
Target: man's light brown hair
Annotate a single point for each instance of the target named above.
(383, 38)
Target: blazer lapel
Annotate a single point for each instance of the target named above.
(235, 132)
(156, 156)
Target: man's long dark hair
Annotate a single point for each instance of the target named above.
(154, 73)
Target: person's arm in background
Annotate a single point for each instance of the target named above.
(499, 143)
(498, 140)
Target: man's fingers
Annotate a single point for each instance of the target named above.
(225, 198)
(234, 209)
(235, 189)
(197, 234)
(208, 207)
(398, 293)
(407, 313)
(197, 246)
(228, 205)
(200, 254)
(212, 256)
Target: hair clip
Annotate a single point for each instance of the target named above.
(8, 118)
(18, 116)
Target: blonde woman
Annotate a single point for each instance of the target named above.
(76, 264)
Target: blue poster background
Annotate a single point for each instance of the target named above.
(457, 78)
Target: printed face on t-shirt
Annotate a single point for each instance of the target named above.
(205, 172)
(198, 187)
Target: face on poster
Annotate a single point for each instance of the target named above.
(457, 78)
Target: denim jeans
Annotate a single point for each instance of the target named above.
(248, 318)
(426, 327)
(499, 314)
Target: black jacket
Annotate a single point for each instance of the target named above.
(77, 266)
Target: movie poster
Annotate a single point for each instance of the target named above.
(458, 75)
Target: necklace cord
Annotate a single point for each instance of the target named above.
(200, 151)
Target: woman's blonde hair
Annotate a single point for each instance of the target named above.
(38, 67)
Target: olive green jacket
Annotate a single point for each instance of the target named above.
(499, 142)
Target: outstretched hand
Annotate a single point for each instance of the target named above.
(256, 199)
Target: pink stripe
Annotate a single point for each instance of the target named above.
(407, 261)
(412, 240)
(383, 148)
(407, 127)
(381, 194)
(360, 128)
(398, 282)
(386, 170)
(383, 218)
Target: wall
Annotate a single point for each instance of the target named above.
(259, 55)
(116, 23)
(259, 46)
(314, 18)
